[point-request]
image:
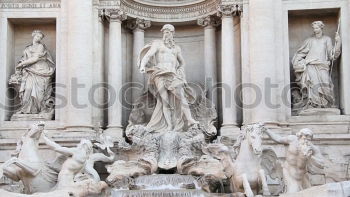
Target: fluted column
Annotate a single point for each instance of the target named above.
(115, 82)
(80, 63)
(210, 23)
(138, 27)
(230, 71)
(262, 38)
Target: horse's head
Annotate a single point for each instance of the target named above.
(35, 130)
(254, 135)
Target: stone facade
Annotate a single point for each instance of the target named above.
(238, 52)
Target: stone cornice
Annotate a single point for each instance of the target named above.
(115, 15)
(161, 13)
(138, 24)
(209, 21)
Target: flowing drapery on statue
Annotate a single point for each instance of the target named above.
(163, 61)
(312, 65)
(33, 77)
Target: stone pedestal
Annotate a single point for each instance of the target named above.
(320, 112)
(341, 189)
(33, 117)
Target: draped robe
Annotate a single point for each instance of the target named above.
(171, 80)
(35, 87)
(311, 64)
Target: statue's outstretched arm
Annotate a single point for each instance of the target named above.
(277, 138)
(102, 157)
(56, 147)
(89, 166)
(152, 51)
(34, 59)
(318, 159)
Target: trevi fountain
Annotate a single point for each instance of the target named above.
(167, 98)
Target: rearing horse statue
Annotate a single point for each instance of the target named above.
(27, 165)
(245, 172)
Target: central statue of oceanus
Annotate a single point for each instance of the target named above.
(169, 118)
(163, 61)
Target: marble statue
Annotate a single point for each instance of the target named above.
(27, 165)
(75, 162)
(312, 65)
(244, 172)
(142, 143)
(57, 178)
(300, 153)
(162, 60)
(33, 78)
(78, 160)
(339, 189)
(105, 144)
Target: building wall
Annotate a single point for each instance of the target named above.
(292, 27)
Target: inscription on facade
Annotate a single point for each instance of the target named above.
(29, 4)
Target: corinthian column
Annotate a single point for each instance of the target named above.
(115, 83)
(138, 27)
(230, 71)
(210, 23)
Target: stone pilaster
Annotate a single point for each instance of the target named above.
(80, 63)
(115, 71)
(230, 71)
(138, 27)
(345, 68)
(262, 52)
(210, 23)
(98, 92)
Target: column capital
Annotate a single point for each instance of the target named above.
(138, 24)
(101, 15)
(209, 21)
(230, 8)
(115, 15)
